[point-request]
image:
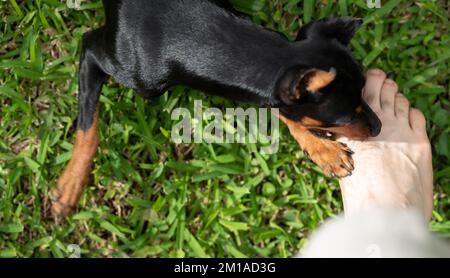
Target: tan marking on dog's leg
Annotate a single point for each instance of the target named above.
(77, 172)
(333, 157)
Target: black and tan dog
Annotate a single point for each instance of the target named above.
(151, 45)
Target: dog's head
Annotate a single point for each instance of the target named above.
(324, 91)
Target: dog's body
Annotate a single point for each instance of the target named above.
(151, 45)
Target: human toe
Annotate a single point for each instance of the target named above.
(372, 89)
(417, 121)
(401, 107)
(388, 93)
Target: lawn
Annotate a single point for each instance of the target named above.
(152, 198)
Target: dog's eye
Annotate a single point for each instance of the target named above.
(323, 133)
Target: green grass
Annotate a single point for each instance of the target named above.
(152, 198)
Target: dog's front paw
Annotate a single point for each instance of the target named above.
(333, 157)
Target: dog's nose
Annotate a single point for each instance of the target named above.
(373, 121)
(374, 124)
(375, 129)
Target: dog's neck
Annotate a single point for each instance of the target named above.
(241, 61)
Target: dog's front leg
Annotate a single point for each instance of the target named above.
(333, 157)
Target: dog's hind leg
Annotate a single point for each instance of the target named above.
(77, 172)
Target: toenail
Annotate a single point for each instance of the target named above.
(389, 82)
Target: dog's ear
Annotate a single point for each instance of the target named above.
(297, 84)
(341, 29)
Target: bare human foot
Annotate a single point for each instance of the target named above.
(394, 169)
